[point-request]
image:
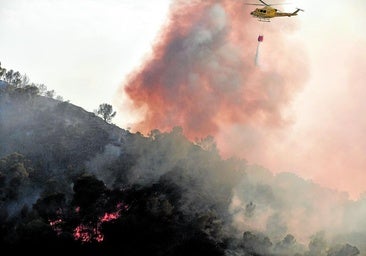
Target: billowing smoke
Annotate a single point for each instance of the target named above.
(202, 75)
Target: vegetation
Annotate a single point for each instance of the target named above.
(14, 81)
(72, 183)
(106, 112)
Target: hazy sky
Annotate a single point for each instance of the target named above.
(84, 49)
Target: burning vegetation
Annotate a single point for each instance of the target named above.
(73, 183)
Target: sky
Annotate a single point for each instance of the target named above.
(81, 49)
(89, 51)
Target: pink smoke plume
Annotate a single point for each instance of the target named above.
(202, 75)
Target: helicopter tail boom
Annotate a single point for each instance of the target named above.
(288, 14)
(297, 10)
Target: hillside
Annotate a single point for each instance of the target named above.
(72, 183)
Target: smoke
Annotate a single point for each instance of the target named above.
(201, 74)
(244, 208)
(303, 212)
(283, 213)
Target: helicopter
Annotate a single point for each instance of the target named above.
(267, 12)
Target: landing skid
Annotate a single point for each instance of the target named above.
(264, 20)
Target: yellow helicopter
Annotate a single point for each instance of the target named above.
(267, 12)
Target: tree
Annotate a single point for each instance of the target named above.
(42, 89)
(343, 250)
(16, 79)
(31, 90)
(50, 93)
(106, 112)
(9, 76)
(2, 71)
(25, 81)
(59, 98)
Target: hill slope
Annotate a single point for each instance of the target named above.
(72, 183)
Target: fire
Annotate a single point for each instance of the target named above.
(109, 216)
(86, 233)
(56, 225)
(91, 231)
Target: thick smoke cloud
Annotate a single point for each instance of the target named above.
(202, 76)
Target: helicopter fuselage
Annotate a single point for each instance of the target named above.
(268, 12)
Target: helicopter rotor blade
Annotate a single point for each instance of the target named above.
(263, 2)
